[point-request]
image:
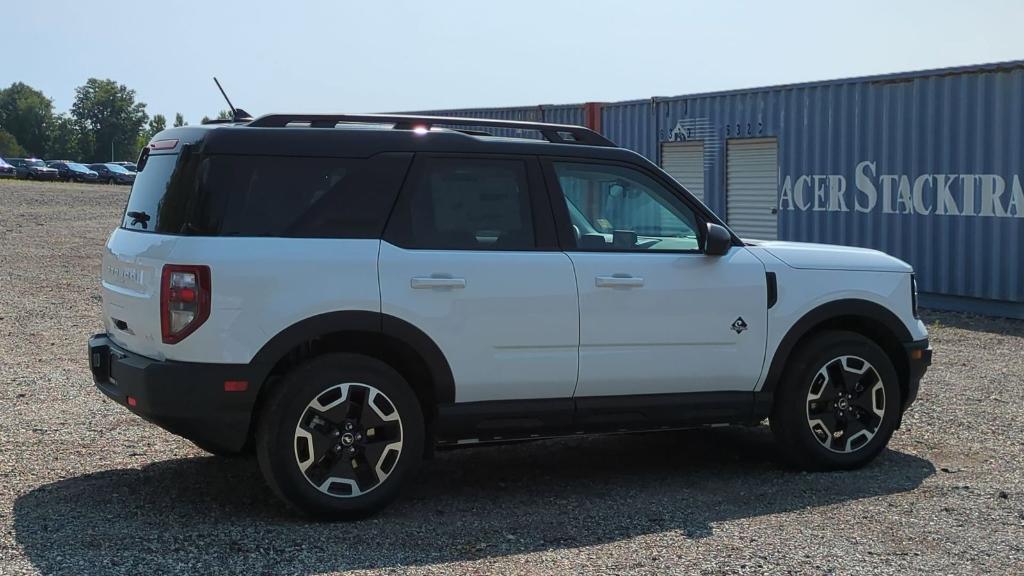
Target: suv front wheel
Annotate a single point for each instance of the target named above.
(838, 402)
(339, 436)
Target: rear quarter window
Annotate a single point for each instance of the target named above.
(296, 197)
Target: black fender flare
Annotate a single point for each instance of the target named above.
(363, 321)
(829, 310)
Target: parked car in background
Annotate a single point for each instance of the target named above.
(73, 171)
(112, 173)
(32, 169)
(129, 166)
(6, 170)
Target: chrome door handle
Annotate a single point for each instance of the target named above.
(619, 281)
(428, 282)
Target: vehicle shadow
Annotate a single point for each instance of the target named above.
(213, 515)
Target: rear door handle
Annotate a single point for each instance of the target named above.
(619, 281)
(429, 282)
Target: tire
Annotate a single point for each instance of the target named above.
(828, 415)
(110, 181)
(326, 414)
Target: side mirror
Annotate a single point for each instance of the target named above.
(718, 241)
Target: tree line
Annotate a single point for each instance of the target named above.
(105, 123)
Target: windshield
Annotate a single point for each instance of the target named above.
(36, 163)
(116, 168)
(77, 167)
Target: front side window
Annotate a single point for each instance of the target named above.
(614, 208)
(465, 204)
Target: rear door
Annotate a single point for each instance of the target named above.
(657, 316)
(469, 257)
(134, 259)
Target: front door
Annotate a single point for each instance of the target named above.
(657, 316)
(470, 258)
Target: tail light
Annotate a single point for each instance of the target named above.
(184, 300)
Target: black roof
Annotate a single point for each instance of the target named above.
(363, 142)
(347, 135)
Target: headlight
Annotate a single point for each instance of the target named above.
(913, 295)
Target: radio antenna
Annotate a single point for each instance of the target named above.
(234, 113)
(237, 114)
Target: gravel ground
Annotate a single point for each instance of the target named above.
(87, 488)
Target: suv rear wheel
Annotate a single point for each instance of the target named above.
(339, 436)
(838, 402)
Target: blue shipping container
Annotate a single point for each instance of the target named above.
(927, 166)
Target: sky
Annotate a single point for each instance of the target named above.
(380, 56)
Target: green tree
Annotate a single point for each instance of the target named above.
(109, 113)
(9, 146)
(64, 138)
(222, 115)
(26, 113)
(157, 124)
(179, 120)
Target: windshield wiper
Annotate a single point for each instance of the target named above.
(139, 218)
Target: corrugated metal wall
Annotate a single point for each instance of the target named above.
(927, 166)
(953, 140)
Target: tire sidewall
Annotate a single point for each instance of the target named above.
(791, 407)
(276, 433)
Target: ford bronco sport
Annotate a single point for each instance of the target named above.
(342, 294)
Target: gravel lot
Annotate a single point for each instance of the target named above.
(87, 488)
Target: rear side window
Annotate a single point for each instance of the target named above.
(465, 204)
(298, 197)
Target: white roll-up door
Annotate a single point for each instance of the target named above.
(752, 187)
(684, 161)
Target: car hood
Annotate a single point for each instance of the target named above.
(832, 257)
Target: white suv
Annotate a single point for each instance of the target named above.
(344, 293)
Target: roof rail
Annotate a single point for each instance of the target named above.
(555, 133)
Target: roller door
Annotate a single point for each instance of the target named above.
(752, 184)
(684, 161)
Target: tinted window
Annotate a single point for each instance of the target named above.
(221, 195)
(465, 204)
(617, 208)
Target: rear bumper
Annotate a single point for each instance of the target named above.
(919, 358)
(184, 398)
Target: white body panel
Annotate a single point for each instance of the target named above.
(260, 287)
(831, 257)
(507, 322)
(514, 331)
(671, 330)
(800, 291)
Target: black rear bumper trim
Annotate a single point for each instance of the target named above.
(184, 398)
